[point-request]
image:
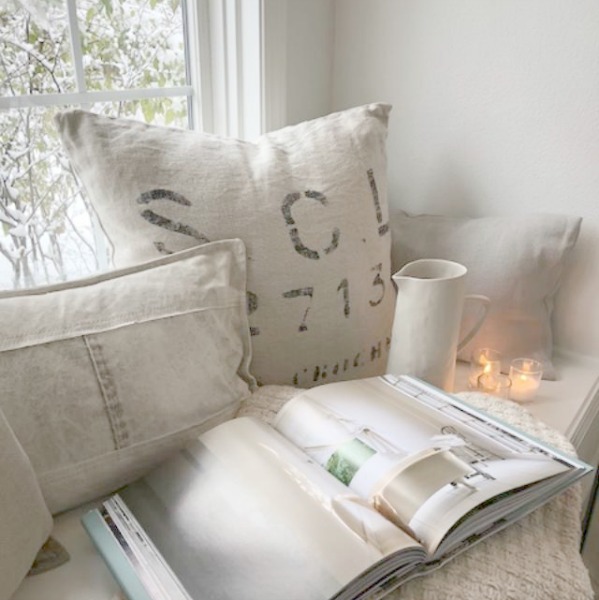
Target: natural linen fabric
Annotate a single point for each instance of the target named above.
(25, 521)
(103, 377)
(536, 558)
(309, 201)
(516, 261)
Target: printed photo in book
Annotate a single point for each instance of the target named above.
(358, 487)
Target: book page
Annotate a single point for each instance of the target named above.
(244, 512)
(421, 461)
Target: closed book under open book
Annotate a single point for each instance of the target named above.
(358, 487)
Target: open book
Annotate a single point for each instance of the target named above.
(358, 487)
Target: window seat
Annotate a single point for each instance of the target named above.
(86, 575)
(569, 405)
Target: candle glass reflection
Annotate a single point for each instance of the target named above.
(495, 384)
(483, 361)
(526, 374)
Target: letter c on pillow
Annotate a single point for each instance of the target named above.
(300, 248)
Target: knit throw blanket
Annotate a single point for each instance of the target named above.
(536, 558)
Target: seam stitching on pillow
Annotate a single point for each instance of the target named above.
(66, 472)
(134, 319)
(114, 408)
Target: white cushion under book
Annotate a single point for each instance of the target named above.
(359, 487)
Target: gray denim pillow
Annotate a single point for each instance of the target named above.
(516, 261)
(25, 521)
(103, 377)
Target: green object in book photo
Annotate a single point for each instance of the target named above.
(347, 459)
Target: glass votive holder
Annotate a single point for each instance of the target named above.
(526, 374)
(483, 361)
(496, 384)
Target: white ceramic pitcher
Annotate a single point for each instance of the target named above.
(428, 313)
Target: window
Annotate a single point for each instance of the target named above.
(162, 61)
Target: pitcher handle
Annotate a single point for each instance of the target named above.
(485, 303)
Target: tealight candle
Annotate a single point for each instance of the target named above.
(495, 383)
(483, 361)
(525, 374)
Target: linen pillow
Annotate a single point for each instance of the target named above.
(309, 201)
(516, 262)
(103, 377)
(25, 521)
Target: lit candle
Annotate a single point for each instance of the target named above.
(525, 374)
(484, 361)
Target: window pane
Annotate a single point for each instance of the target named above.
(47, 232)
(35, 52)
(157, 111)
(132, 43)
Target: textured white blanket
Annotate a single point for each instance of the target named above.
(534, 559)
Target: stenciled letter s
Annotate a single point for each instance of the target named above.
(155, 219)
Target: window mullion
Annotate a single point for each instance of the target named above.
(76, 46)
(274, 64)
(27, 101)
(199, 72)
(216, 53)
(233, 67)
(250, 69)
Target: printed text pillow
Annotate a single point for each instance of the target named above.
(309, 201)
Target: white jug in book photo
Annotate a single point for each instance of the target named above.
(426, 326)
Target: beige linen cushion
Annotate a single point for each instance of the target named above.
(103, 377)
(516, 262)
(25, 521)
(309, 201)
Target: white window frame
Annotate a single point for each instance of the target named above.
(240, 58)
(236, 59)
(82, 96)
(236, 69)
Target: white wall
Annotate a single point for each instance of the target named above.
(310, 36)
(496, 111)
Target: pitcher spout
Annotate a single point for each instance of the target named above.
(430, 269)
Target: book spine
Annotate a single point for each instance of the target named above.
(115, 558)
